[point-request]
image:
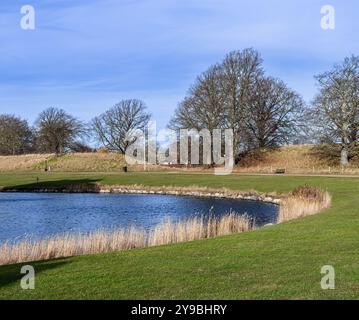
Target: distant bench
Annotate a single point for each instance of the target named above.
(279, 171)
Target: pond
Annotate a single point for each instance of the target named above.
(43, 214)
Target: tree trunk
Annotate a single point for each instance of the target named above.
(344, 156)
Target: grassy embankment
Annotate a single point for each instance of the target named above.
(282, 261)
(71, 162)
(305, 159)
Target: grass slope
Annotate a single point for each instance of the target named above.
(294, 158)
(70, 162)
(313, 159)
(281, 261)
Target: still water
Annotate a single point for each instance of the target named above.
(38, 215)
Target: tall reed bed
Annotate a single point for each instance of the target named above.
(102, 241)
(303, 201)
(199, 228)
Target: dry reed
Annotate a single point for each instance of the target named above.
(66, 245)
(102, 241)
(303, 201)
(199, 228)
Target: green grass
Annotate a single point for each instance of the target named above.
(278, 262)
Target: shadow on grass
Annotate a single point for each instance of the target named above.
(12, 273)
(69, 185)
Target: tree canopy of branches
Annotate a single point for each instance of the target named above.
(57, 131)
(16, 137)
(79, 146)
(336, 107)
(115, 126)
(204, 105)
(236, 94)
(273, 114)
(240, 69)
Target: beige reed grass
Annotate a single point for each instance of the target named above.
(303, 201)
(199, 228)
(101, 241)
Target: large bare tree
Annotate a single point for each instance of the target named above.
(16, 137)
(336, 107)
(219, 96)
(235, 94)
(57, 130)
(240, 69)
(273, 113)
(115, 126)
(204, 107)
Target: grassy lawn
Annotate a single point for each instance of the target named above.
(282, 261)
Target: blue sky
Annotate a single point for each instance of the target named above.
(84, 56)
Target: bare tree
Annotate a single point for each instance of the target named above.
(240, 69)
(203, 108)
(113, 127)
(272, 115)
(80, 146)
(57, 130)
(235, 94)
(336, 107)
(16, 137)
